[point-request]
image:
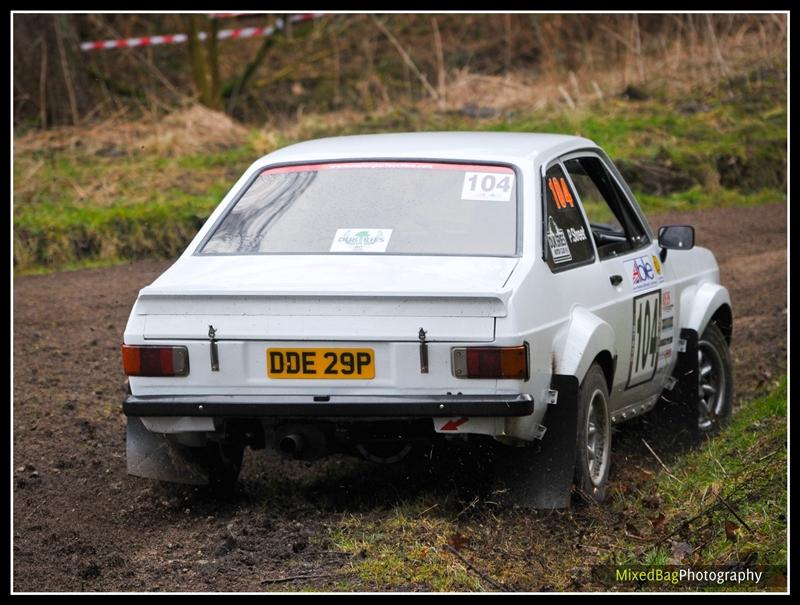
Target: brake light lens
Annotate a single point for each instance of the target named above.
(491, 362)
(138, 360)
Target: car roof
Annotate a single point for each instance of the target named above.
(511, 147)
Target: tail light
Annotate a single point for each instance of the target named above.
(155, 360)
(491, 362)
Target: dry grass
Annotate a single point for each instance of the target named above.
(681, 68)
(188, 130)
(682, 60)
(684, 67)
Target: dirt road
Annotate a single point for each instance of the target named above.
(81, 523)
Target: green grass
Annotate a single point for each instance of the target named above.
(404, 546)
(403, 549)
(744, 466)
(73, 207)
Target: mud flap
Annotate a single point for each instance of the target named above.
(541, 475)
(153, 456)
(687, 371)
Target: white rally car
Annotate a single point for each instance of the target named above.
(367, 294)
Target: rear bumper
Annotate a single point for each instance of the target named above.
(345, 406)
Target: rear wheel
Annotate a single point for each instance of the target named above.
(593, 458)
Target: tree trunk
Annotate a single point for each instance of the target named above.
(51, 85)
(198, 61)
(212, 52)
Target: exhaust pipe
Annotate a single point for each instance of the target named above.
(292, 445)
(301, 441)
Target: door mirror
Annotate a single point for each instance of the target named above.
(676, 237)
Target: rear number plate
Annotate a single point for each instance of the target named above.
(343, 364)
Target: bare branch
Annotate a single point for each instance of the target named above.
(406, 58)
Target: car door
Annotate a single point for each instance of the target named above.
(644, 311)
(569, 251)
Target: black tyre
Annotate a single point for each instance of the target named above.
(593, 459)
(223, 461)
(715, 395)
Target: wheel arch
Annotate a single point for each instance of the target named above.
(586, 339)
(705, 303)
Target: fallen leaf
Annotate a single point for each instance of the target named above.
(457, 541)
(658, 522)
(680, 550)
(631, 529)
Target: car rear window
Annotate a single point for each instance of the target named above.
(373, 208)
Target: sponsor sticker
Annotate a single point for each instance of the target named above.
(361, 240)
(664, 359)
(657, 264)
(557, 241)
(644, 272)
(489, 186)
(666, 343)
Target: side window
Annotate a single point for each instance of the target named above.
(566, 235)
(614, 226)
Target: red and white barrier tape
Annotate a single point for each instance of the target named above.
(224, 34)
(230, 15)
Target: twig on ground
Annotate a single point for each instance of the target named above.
(467, 507)
(746, 480)
(430, 508)
(664, 466)
(482, 575)
(639, 538)
(686, 523)
(733, 512)
(772, 453)
(293, 578)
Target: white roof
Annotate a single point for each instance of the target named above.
(489, 146)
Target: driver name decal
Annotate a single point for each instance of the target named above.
(576, 235)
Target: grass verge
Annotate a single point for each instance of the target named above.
(725, 503)
(659, 518)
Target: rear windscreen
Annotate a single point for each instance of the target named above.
(373, 207)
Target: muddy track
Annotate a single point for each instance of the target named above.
(81, 523)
